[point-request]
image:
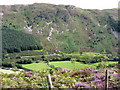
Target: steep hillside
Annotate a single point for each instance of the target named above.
(65, 28)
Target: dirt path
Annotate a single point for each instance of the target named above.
(8, 71)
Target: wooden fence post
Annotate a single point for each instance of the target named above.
(49, 82)
(106, 80)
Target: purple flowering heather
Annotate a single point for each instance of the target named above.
(110, 71)
(37, 74)
(99, 75)
(95, 71)
(30, 74)
(114, 69)
(81, 70)
(78, 84)
(89, 70)
(95, 79)
(117, 75)
(65, 69)
(82, 84)
(14, 78)
(75, 73)
(84, 72)
(100, 84)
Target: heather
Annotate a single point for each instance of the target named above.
(65, 78)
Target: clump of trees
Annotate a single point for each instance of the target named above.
(11, 65)
(26, 61)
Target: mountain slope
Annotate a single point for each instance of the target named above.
(65, 28)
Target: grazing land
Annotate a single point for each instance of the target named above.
(36, 66)
(63, 64)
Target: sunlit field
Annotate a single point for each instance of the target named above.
(62, 64)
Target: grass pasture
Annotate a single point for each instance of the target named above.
(69, 65)
(36, 66)
(62, 64)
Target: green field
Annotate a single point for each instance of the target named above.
(62, 64)
(69, 65)
(36, 66)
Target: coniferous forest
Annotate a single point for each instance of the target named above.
(16, 41)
